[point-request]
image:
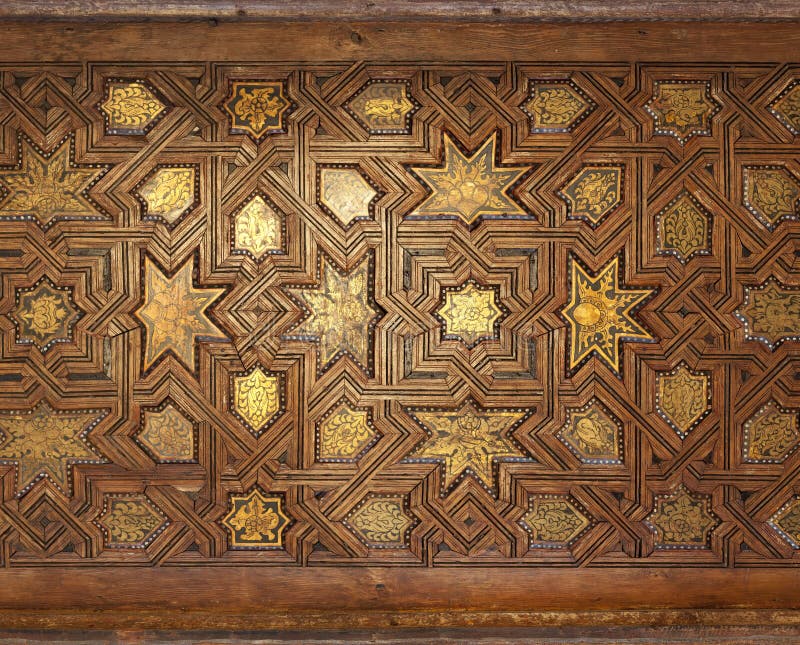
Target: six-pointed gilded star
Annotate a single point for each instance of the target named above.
(469, 187)
(174, 314)
(45, 442)
(48, 188)
(339, 314)
(600, 314)
(468, 437)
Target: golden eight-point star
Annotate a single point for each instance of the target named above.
(174, 314)
(467, 438)
(600, 314)
(48, 188)
(469, 187)
(340, 314)
(47, 443)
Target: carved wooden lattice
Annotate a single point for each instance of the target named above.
(339, 314)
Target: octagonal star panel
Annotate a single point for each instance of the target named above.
(174, 314)
(468, 440)
(682, 520)
(593, 434)
(257, 398)
(556, 105)
(47, 443)
(469, 187)
(683, 398)
(683, 109)
(683, 229)
(381, 521)
(384, 106)
(340, 314)
(593, 193)
(770, 313)
(258, 228)
(470, 313)
(787, 107)
(169, 193)
(346, 194)
(47, 187)
(344, 433)
(555, 521)
(787, 522)
(167, 434)
(771, 193)
(130, 521)
(131, 107)
(44, 315)
(771, 434)
(255, 521)
(600, 315)
(257, 108)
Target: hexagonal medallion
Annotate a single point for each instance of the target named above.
(683, 398)
(771, 193)
(787, 107)
(470, 313)
(346, 194)
(255, 521)
(131, 107)
(771, 434)
(257, 398)
(682, 109)
(593, 193)
(381, 522)
(384, 107)
(787, 522)
(770, 313)
(167, 434)
(169, 193)
(593, 434)
(683, 229)
(681, 520)
(555, 521)
(44, 315)
(258, 228)
(130, 521)
(345, 433)
(556, 105)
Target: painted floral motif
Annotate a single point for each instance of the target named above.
(130, 108)
(381, 522)
(787, 522)
(167, 434)
(44, 315)
(771, 313)
(594, 192)
(771, 193)
(600, 315)
(344, 433)
(787, 107)
(556, 106)
(683, 229)
(169, 193)
(257, 398)
(470, 313)
(682, 520)
(554, 521)
(258, 229)
(682, 398)
(257, 108)
(384, 107)
(130, 521)
(255, 521)
(682, 108)
(593, 434)
(346, 194)
(770, 434)
(470, 187)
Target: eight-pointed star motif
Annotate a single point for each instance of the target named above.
(470, 187)
(470, 313)
(47, 187)
(467, 438)
(174, 314)
(600, 315)
(47, 443)
(340, 314)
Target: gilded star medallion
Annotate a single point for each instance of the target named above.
(470, 187)
(44, 315)
(682, 520)
(770, 313)
(49, 187)
(47, 443)
(258, 108)
(340, 314)
(469, 440)
(470, 314)
(600, 315)
(174, 315)
(682, 108)
(255, 521)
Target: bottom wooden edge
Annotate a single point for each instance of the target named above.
(214, 620)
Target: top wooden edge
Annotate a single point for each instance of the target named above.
(364, 10)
